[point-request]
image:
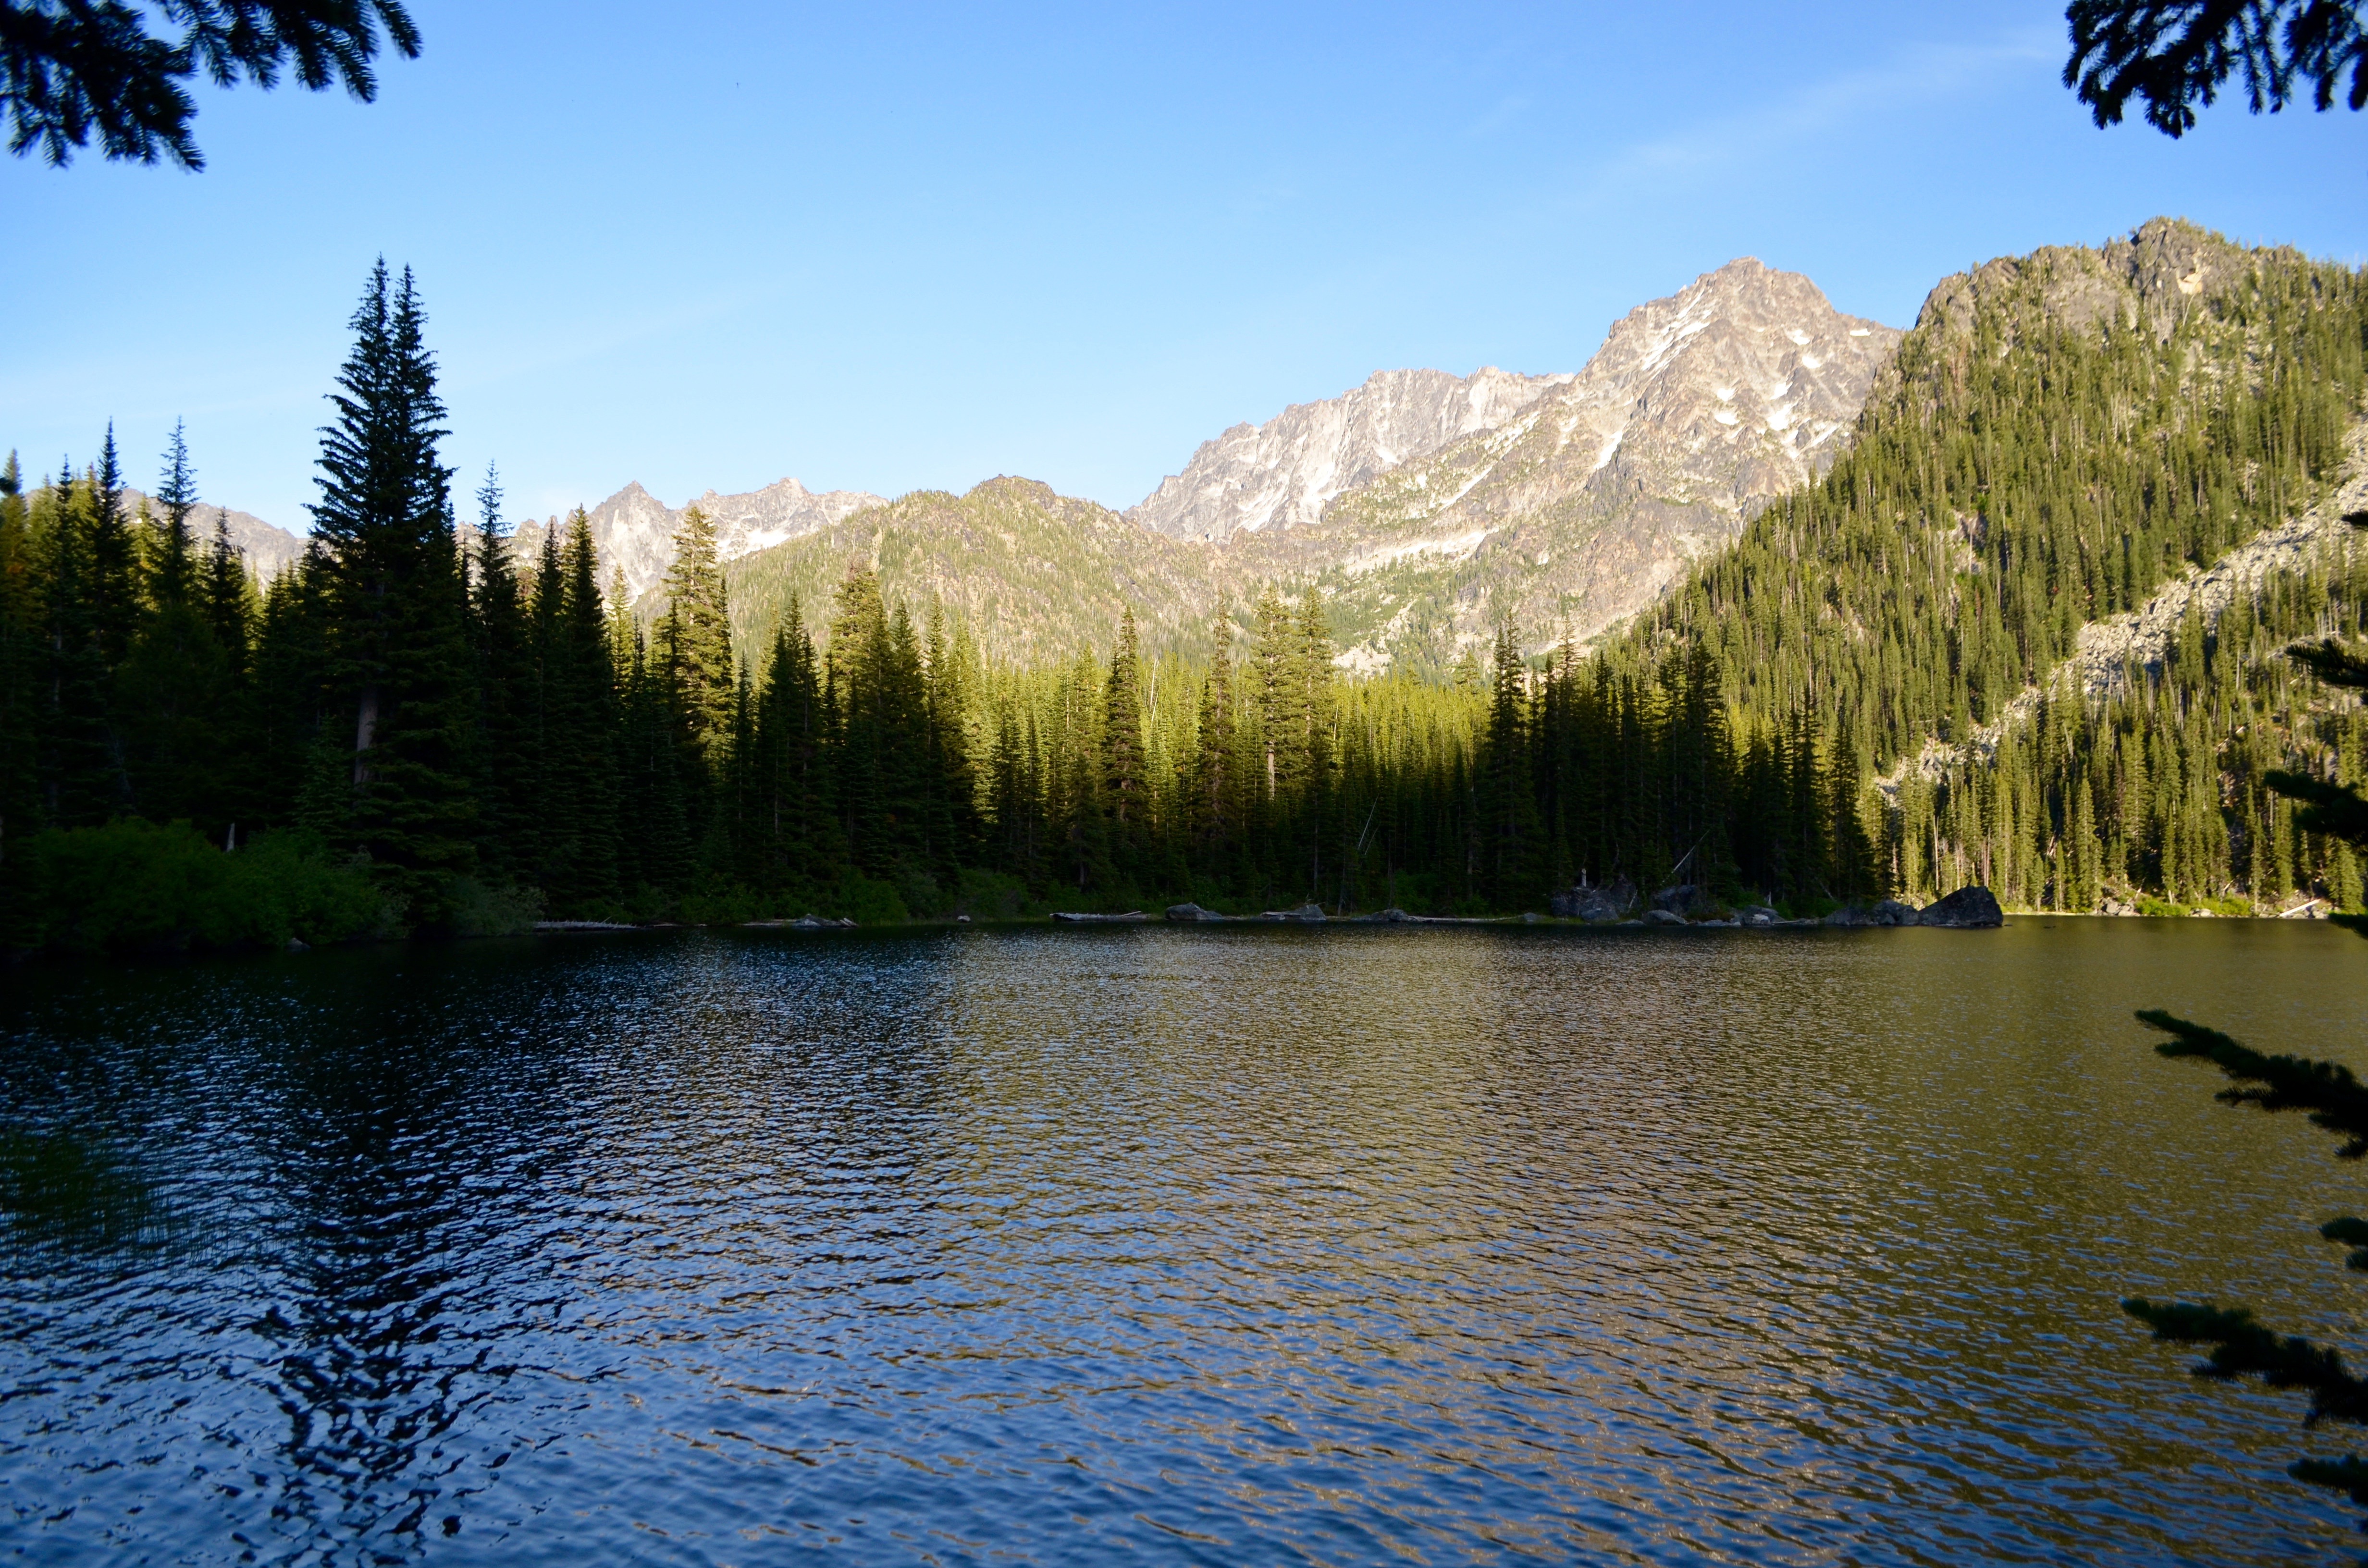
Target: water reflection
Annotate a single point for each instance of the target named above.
(61, 1192)
(383, 1175)
(1231, 1245)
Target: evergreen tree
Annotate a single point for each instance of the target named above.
(1126, 786)
(696, 640)
(176, 691)
(505, 658)
(77, 774)
(397, 607)
(1216, 813)
(579, 719)
(20, 666)
(1509, 809)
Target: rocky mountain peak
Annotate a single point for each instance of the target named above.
(269, 549)
(2155, 274)
(635, 530)
(1284, 473)
(1579, 508)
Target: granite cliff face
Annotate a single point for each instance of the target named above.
(1587, 502)
(1282, 474)
(634, 530)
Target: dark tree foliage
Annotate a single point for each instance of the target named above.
(73, 69)
(21, 660)
(2175, 55)
(504, 671)
(398, 610)
(176, 698)
(2333, 1099)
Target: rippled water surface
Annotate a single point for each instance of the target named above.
(1230, 1246)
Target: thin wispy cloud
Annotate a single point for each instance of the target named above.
(1816, 111)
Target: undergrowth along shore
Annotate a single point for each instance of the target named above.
(137, 887)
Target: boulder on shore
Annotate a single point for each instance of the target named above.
(1967, 909)
(1605, 901)
(1885, 911)
(1184, 913)
(1687, 902)
(1067, 918)
(1663, 917)
(1310, 912)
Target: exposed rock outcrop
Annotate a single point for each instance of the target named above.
(1603, 901)
(1584, 505)
(1884, 912)
(1282, 474)
(1969, 908)
(1688, 902)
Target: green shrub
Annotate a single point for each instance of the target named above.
(867, 901)
(134, 885)
(481, 911)
(993, 895)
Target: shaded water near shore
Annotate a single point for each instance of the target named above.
(1231, 1245)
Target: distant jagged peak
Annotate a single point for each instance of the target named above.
(269, 549)
(1745, 298)
(1283, 472)
(634, 530)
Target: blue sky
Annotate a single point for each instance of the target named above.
(891, 247)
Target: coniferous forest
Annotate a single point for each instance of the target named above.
(415, 729)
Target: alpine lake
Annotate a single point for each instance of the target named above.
(1340, 1245)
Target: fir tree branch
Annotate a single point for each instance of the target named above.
(2348, 1474)
(2335, 1099)
(2333, 662)
(2336, 810)
(2241, 1347)
(2353, 1231)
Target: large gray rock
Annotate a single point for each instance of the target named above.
(1182, 912)
(1604, 900)
(1663, 917)
(1308, 912)
(1886, 911)
(1687, 902)
(1967, 909)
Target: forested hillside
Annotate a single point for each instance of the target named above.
(2058, 436)
(1868, 693)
